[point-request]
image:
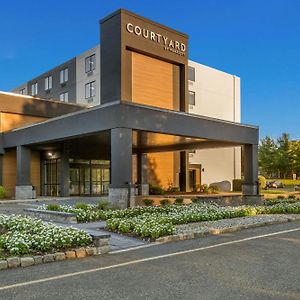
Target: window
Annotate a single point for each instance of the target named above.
(191, 98)
(90, 89)
(48, 83)
(90, 63)
(64, 75)
(192, 75)
(22, 91)
(34, 89)
(64, 97)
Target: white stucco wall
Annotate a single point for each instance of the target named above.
(83, 78)
(217, 94)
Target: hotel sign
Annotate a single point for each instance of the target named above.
(167, 43)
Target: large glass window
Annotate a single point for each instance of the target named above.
(90, 63)
(87, 177)
(52, 177)
(192, 75)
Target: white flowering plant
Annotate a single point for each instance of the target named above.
(155, 221)
(24, 235)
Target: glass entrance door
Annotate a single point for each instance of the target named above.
(89, 178)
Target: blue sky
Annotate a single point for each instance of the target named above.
(258, 41)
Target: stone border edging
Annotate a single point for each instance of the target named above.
(101, 247)
(49, 215)
(194, 235)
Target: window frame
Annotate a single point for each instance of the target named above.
(34, 89)
(193, 78)
(48, 82)
(62, 96)
(192, 93)
(90, 63)
(64, 75)
(91, 88)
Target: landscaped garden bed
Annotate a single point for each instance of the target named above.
(157, 221)
(22, 235)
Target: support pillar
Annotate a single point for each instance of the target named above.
(120, 190)
(142, 174)
(183, 178)
(64, 171)
(23, 182)
(250, 185)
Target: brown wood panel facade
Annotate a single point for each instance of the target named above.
(9, 121)
(154, 82)
(9, 171)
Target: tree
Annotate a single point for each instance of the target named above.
(267, 156)
(294, 155)
(282, 160)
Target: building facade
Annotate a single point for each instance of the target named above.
(162, 120)
(212, 93)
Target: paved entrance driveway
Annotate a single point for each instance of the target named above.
(259, 263)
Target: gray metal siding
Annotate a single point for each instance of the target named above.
(57, 87)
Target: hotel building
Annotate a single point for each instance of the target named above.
(134, 110)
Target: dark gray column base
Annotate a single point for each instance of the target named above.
(252, 200)
(250, 189)
(119, 197)
(143, 189)
(23, 192)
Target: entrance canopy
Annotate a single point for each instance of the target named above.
(153, 127)
(119, 129)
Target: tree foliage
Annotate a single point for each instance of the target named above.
(279, 158)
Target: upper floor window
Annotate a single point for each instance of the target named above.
(192, 75)
(90, 89)
(48, 83)
(34, 89)
(64, 75)
(192, 97)
(22, 91)
(90, 63)
(64, 97)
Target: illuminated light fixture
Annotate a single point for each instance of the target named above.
(50, 154)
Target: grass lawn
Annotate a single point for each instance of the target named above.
(277, 192)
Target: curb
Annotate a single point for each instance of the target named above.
(77, 253)
(193, 235)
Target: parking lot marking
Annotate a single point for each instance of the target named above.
(133, 262)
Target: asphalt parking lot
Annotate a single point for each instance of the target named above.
(259, 263)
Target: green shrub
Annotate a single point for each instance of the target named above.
(292, 197)
(2, 192)
(156, 190)
(164, 202)
(81, 205)
(103, 205)
(203, 188)
(195, 199)
(173, 189)
(213, 189)
(262, 182)
(148, 202)
(53, 207)
(179, 200)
